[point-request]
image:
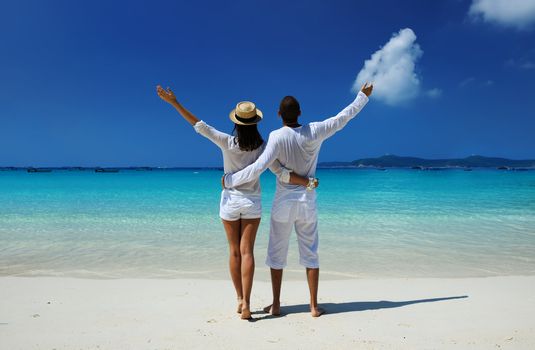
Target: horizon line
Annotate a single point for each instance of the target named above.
(221, 167)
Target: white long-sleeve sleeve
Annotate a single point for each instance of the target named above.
(325, 129)
(281, 172)
(254, 170)
(219, 138)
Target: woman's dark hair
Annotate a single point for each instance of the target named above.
(289, 109)
(247, 137)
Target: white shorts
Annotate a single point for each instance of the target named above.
(285, 216)
(234, 207)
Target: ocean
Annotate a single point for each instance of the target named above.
(165, 224)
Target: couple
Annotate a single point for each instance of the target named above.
(291, 153)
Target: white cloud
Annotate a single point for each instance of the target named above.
(519, 14)
(522, 63)
(467, 81)
(475, 82)
(434, 93)
(392, 69)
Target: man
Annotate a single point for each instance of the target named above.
(296, 147)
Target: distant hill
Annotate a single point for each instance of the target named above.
(393, 161)
(386, 161)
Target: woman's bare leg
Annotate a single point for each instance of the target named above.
(233, 230)
(249, 227)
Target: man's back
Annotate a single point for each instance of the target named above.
(297, 148)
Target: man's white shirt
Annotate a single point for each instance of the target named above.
(296, 149)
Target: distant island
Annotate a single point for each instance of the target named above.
(393, 161)
(380, 163)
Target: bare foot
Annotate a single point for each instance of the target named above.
(272, 309)
(316, 311)
(240, 302)
(245, 312)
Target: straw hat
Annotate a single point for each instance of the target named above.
(245, 113)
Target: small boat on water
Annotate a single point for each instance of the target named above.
(8, 168)
(38, 170)
(106, 170)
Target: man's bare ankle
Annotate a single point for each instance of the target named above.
(316, 311)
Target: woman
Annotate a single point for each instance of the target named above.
(240, 208)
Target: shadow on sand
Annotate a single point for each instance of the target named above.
(354, 306)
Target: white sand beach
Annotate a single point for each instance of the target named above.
(70, 313)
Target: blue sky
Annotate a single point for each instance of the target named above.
(77, 79)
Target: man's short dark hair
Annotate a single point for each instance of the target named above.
(289, 109)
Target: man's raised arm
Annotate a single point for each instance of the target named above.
(327, 128)
(254, 170)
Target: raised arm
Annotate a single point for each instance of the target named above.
(329, 127)
(219, 138)
(169, 97)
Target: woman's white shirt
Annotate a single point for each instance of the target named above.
(235, 159)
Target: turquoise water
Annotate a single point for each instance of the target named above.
(164, 224)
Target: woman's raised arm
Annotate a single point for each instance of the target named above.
(169, 97)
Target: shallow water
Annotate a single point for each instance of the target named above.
(164, 224)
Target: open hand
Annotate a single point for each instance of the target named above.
(367, 89)
(166, 95)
